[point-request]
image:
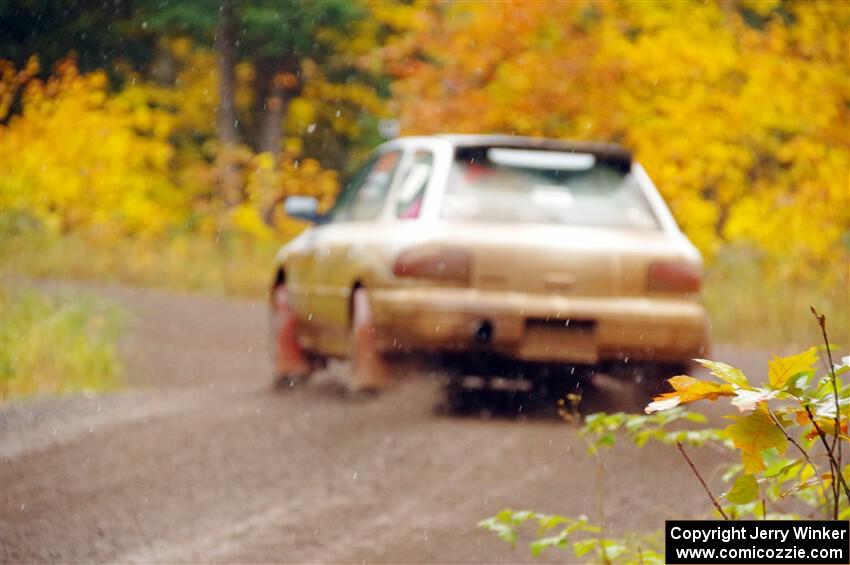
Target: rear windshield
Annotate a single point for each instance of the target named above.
(492, 184)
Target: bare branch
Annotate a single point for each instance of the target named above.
(835, 441)
(832, 461)
(701, 481)
(799, 447)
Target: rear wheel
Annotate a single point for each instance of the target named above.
(292, 365)
(370, 369)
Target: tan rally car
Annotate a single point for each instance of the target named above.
(532, 251)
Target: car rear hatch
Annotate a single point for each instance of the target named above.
(576, 266)
(559, 260)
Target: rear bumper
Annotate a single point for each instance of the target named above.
(541, 327)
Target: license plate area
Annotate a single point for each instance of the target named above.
(560, 340)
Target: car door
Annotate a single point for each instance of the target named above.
(340, 244)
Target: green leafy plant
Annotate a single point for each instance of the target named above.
(559, 532)
(789, 434)
(57, 344)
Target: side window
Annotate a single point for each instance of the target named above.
(411, 191)
(365, 195)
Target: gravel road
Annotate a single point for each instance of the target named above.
(199, 459)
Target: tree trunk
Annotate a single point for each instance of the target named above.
(275, 81)
(271, 129)
(228, 135)
(276, 78)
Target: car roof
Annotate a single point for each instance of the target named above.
(604, 151)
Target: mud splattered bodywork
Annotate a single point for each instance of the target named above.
(536, 250)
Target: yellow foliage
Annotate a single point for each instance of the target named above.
(302, 113)
(738, 110)
(783, 368)
(84, 159)
(128, 163)
(267, 186)
(247, 220)
(341, 106)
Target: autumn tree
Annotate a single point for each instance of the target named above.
(739, 110)
(276, 37)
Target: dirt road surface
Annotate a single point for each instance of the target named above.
(199, 459)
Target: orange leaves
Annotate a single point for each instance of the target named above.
(827, 426)
(798, 400)
(826, 423)
(691, 89)
(746, 397)
(688, 389)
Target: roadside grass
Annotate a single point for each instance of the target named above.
(745, 306)
(229, 267)
(57, 344)
(750, 308)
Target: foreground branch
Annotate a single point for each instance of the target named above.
(836, 443)
(832, 462)
(701, 481)
(799, 447)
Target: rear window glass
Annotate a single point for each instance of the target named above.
(491, 184)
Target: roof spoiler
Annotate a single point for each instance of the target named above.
(605, 152)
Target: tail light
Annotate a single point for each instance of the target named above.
(428, 263)
(674, 277)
